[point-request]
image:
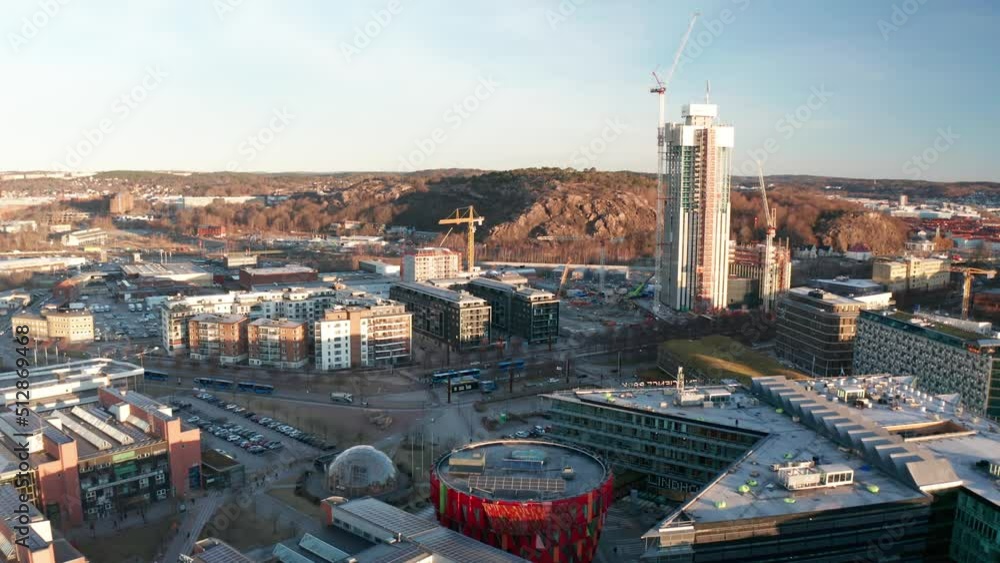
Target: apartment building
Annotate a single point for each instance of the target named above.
(456, 318)
(297, 303)
(816, 329)
(911, 273)
(748, 262)
(519, 310)
(277, 343)
(122, 203)
(124, 452)
(430, 264)
(363, 336)
(695, 160)
(68, 326)
(221, 338)
(943, 358)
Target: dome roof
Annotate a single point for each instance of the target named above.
(362, 470)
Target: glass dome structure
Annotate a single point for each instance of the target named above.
(361, 471)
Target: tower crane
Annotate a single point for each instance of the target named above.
(661, 167)
(466, 216)
(767, 283)
(967, 273)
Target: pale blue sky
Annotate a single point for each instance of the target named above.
(563, 74)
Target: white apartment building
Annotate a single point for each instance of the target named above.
(431, 264)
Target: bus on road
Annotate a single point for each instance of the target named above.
(259, 388)
(151, 375)
(210, 383)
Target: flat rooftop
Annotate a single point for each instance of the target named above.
(153, 269)
(214, 318)
(277, 270)
(443, 294)
(783, 440)
(72, 371)
(521, 470)
(277, 323)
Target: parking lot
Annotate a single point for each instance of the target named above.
(254, 440)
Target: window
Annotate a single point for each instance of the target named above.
(160, 478)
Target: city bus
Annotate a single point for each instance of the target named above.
(251, 387)
(439, 377)
(151, 375)
(211, 383)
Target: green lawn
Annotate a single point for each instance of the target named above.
(721, 357)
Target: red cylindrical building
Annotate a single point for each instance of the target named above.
(542, 501)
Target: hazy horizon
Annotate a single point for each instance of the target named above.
(841, 90)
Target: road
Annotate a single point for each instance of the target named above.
(197, 516)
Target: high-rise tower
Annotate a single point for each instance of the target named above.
(696, 211)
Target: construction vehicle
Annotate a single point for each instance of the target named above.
(466, 216)
(768, 294)
(637, 291)
(661, 166)
(967, 273)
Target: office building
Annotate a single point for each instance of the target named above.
(519, 310)
(363, 336)
(277, 343)
(27, 537)
(66, 325)
(87, 237)
(379, 267)
(289, 274)
(430, 264)
(785, 471)
(911, 273)
(221, 338)
(124, 452)
(816, 329)
(460, 320)
(942, 357)
(697, 214)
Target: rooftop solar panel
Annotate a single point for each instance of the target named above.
(500, 483)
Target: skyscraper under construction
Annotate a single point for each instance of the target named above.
(696, 214)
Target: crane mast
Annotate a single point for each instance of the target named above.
(767, 281)
(661, 166)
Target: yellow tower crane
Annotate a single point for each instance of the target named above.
(967, 273)
(466, 216)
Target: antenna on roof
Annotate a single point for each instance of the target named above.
(708, 90)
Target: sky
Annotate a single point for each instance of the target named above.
(852, 88)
